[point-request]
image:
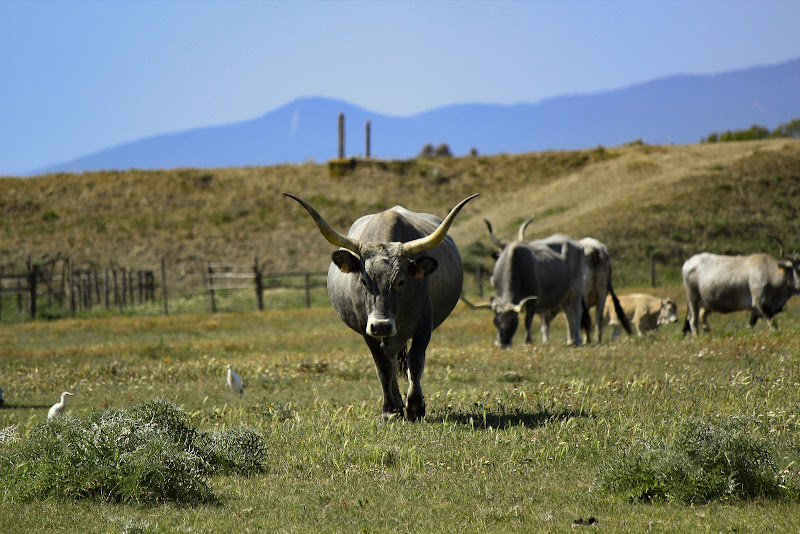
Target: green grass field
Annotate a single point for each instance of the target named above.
(517, 440)
(663, 433)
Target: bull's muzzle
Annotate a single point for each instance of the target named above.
(381, 327)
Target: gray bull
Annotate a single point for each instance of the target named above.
(544, 276)
(596, 280)
(382, 287)
(597, 284)
(758, 283)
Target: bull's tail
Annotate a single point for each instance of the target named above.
(623, 319)
(687, 328)
(586, 321)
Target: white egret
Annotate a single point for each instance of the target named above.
(58, 407)
(234, 382)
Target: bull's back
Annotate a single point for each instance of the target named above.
(722, 283)
(531, 269)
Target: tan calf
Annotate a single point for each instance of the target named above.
(645, 312)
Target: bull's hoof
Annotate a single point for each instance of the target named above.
(415, 413)
(391, 416)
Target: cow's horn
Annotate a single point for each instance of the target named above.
(476, 306)
(518, 307)
(780, 245)
(493, 237)
(334, 237)
(523, 226)
(430, 241)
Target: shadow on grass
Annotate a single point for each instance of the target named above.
(498, 421)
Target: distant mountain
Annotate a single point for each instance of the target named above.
(677, 109)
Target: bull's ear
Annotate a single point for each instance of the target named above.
(346, 261)
(422, 267)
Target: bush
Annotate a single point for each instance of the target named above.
(703, 463)
(147, 454)
(789, 129)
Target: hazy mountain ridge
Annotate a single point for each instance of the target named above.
(677, 109)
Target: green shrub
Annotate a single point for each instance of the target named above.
(702, 463)
(144, 455)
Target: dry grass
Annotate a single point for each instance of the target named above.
(636, 198)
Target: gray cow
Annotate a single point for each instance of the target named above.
(758, 283)
(384, 288)
(596, 280)
(544, 277)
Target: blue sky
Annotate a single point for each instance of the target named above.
(80, 76)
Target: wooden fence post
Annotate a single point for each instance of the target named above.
(117, 297)
(341, 135)
(96, 287)
(164, 285)
(367, 135)
(130, 285)
(33, 278)
(259, 285)
(105, 289)
(212, 299)
(70, 290)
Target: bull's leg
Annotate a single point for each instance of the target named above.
(704, 320)
(530, 311)
(545, 328)
(759, 311)
(693, 315)
(599, 311)
(573, 312)
(386, 369)
(415, 401)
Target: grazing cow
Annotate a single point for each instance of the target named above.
(542, 277)
(596, 280)
(384, 288)
(646, 312)
(758, 283)
(597, 284)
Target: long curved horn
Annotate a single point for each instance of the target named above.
(493, 237)
(780, 245)
(519, 307)
(476, 306)
(430, 241)
(334, 237)
(523, 226)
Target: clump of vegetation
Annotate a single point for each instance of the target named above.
(144, 455)
(440, 151)
(790, 129)
(703, 463)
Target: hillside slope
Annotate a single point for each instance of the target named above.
(670, 201)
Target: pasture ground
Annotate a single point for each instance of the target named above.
(514, 440)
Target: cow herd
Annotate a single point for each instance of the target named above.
(397, 275)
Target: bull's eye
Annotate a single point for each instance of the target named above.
(399, 284)
(366, 282)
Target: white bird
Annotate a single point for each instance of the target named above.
(234, 382)
(58, 407)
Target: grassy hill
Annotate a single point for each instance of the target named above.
(670, 201)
